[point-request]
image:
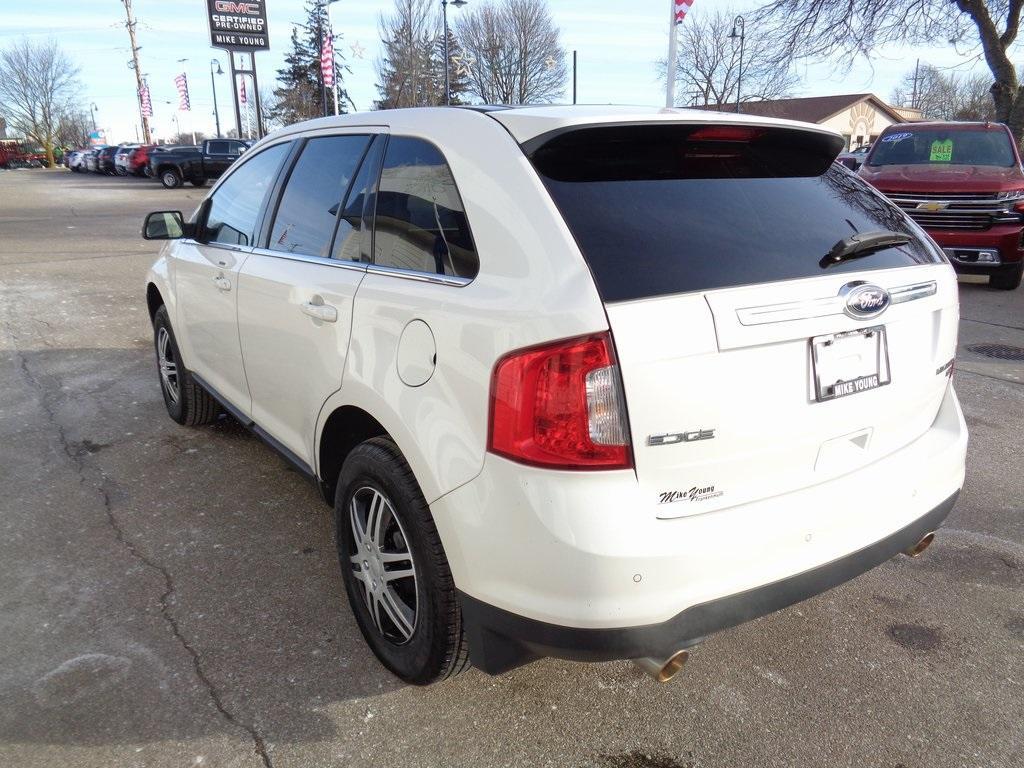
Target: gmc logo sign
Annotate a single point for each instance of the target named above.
(226, 6)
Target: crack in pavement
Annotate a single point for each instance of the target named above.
(76, 459)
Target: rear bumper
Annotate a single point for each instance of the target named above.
(546, 559)
(500, 640)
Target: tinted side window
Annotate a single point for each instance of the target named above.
(236, 203)
(309, 206)
(217, 147)
(420, 223)
(352, 242)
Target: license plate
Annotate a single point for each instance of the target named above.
(850, 362)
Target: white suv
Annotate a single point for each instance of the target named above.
(591, 383)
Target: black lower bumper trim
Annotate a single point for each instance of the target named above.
(500, 640)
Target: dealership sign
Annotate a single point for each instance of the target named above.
(238, 26)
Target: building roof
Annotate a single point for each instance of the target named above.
(812, 109)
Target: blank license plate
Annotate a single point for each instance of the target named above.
(850, 362)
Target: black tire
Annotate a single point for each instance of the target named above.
(201, 182)
(190, 405)
(170, 178)
(436, 648)
(1009, 280)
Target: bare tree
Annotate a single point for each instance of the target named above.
(37, 83)
(407, 73)
(708, 72)
(945, 95)
(185, 137)
(73, 127)
(512, 52)
(820, 28)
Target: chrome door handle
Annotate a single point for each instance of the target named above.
(222, 283)
(324, 312)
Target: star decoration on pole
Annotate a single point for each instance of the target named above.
(463, 64)
(358, 52)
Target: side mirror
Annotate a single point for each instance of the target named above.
(166, 225)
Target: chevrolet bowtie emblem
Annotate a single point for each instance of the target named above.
(932, 206)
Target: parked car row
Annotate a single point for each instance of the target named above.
(172, 165)
(122, 160)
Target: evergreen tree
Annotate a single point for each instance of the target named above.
(411, 71)
(458, 69)
(300, 95)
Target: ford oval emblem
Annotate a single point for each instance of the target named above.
(864, 300)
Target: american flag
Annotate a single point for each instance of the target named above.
(145, 102)
(682, 8)
(327, 58)
(182, 82)
(241, 93)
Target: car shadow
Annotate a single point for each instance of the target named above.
(154, 574)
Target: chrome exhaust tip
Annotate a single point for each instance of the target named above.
(921, 546)
(663, 670)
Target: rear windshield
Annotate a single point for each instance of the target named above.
(942, 146)
(658, 210)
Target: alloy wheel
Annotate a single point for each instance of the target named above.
(168, 365)
(383, 563)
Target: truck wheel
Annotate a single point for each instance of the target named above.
(394, 567)
(1008, 281)
(187, 402)
(170, 178)
(200, 182)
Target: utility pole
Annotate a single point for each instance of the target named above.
(213, 84)
(334, 80)
(739, 23)
(913, 98)
(574, 77)
(320, 36)
(447, 60)
(673, 56)
(130, 26)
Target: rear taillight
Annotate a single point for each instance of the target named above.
(561, 406)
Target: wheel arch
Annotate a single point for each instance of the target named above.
(346, 427)
(154, 299)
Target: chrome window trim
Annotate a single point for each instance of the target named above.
(355, 266)
(221, 246)
(832, 305)
(422, 277)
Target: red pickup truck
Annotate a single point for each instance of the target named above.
(964, 184)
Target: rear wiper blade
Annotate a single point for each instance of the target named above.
(862, 244)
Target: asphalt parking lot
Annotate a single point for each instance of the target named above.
(171, 597)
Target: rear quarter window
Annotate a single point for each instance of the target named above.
(659, 209)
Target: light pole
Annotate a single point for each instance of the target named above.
(213, 82)
(92, 111)
(330, 28)
(742, 35)
(447, 61)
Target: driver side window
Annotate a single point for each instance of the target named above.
(236, 204)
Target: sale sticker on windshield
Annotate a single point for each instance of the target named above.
(942, 151)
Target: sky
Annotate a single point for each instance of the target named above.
(618, 44)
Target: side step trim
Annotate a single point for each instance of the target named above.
(276, 445)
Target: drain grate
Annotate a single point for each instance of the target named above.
(998, 351)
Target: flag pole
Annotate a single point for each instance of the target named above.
(673, 56)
